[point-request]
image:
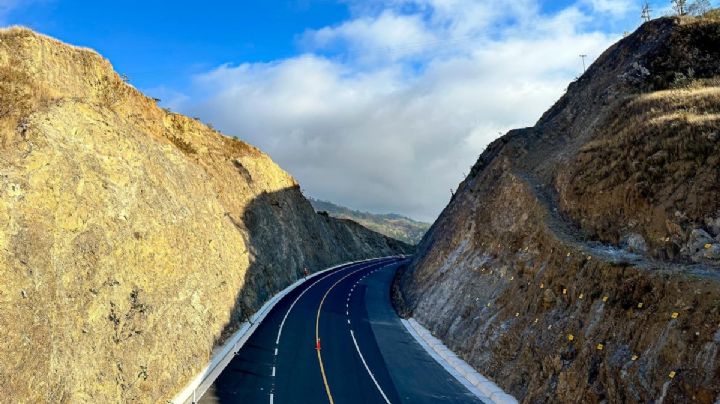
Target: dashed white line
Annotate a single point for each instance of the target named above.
(357, 348)
(275, 351)
(271, 398)
(282, 324)
(273, 371)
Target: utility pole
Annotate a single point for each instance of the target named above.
(583, 61)
(646, 12)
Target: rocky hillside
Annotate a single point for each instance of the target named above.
(133, 240)
(392, 225)
(579, 260)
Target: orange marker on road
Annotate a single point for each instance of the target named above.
(317, 345)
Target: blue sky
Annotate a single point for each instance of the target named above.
(165, 43)
(376, 105)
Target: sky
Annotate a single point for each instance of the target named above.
(381, 106)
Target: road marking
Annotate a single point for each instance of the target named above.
(317, 332)
(357, 348)
(282, 324)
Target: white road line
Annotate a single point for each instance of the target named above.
(282, 324)
(347, 313)
(275, 351)
(273, 371)
(357, 348)
(271, 398)
(348, 321)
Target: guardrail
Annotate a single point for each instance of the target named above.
(223, 354)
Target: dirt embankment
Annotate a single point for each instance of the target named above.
(133, 240)
(578, 261)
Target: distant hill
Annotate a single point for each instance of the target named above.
(391, 224)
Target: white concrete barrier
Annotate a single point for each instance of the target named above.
(478, 384)
(223, 354)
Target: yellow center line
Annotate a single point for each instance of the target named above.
(317, 333)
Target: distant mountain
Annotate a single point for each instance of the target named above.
(392, 225)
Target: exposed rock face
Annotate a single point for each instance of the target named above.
(576, 262)
(133, 240)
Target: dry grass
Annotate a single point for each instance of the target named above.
(657, 156)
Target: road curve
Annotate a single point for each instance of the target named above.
(365, 356)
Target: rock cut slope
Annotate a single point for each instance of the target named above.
(579, 260)
(133, 240)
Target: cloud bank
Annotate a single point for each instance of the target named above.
(387, 111)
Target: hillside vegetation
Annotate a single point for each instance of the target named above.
(392, 225)
(579, 261)
(133, 240)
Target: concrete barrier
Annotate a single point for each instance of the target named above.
(478, 384)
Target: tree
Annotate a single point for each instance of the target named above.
(699, 7)
(680, 6)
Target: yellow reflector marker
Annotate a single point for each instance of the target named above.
(634, 358)
(672, 374)
(517, 314)
(605, 298)
(564, 291)
(581, 296)
(570, 337)
(542, 285)
(640, 305)
(600, 347)
(707, 246)
(674, 314)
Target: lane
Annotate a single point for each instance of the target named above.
(348, 377)
(249, 376)
(416, 375)
(366, 355)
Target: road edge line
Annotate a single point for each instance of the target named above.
(476, 383)
(223, 354)
(372, 376)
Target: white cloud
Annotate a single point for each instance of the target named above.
(613, 7)
(388, 110)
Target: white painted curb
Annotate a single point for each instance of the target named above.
(223, 354)
(478, 384)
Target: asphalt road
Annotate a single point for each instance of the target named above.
(365, 356)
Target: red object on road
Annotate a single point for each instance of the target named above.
(317, 346)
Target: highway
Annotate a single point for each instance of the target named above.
(365, 356)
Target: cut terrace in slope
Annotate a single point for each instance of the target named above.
(576, 260)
